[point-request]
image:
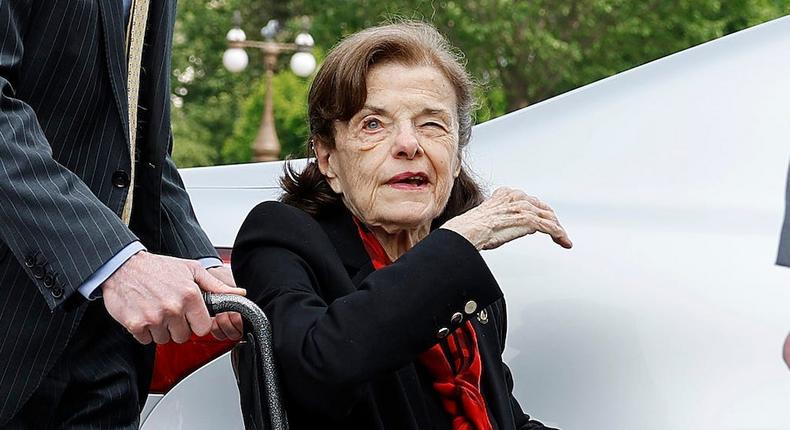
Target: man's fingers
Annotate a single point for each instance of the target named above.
(216, 330)
(206, 282)
(159, 334)
(238, 324)
(197, 314)
(223, 274)
(228, 325)
(143, 336)
(179, 330)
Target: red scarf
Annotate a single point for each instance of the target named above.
(456, 377)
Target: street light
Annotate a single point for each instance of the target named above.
(266, 146)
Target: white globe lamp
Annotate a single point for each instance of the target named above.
(235, 59)
(303, 64)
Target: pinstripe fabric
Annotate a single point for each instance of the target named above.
(64, 152)
(94, 384)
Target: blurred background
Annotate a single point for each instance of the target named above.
(520, 53)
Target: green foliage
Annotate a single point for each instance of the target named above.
(533, 50)
(520, 52)
(290, 118)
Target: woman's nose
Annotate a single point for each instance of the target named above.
(406, 144)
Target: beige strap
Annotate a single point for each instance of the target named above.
(135, 35)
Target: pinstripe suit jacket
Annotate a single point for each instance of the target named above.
(64, 170)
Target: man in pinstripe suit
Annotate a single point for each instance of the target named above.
(69, 267)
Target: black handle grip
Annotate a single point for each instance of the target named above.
(262, 333)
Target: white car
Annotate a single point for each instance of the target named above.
(668, 313)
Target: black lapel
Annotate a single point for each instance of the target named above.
(114, 34)
(342, 232)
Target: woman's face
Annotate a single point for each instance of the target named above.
(396, 159)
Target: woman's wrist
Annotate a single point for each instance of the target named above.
(466, 231)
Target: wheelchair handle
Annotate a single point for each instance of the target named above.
(262, 333)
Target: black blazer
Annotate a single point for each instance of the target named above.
(346, 337)
(64, 170)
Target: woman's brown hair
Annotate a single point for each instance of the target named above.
(339, 91)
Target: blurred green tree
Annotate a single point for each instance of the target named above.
(520, 52)
(290, 118)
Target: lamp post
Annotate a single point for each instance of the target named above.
(266, 146)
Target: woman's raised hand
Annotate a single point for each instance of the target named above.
(507, 215)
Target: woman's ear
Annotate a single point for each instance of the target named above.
(323, 155)
(458, 165)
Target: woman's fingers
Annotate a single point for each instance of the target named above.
(505, 216)
(534, 218)
(557, 233)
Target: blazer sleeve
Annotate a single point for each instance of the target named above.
(328, 350)
(49, 218)
(182, 235)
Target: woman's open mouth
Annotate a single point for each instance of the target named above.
(409, 181)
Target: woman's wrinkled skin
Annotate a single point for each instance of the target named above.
(408, 127)
(395, 161)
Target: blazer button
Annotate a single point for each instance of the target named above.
(120, 179)
(49, 281)
(38, 272)
(442, 333)
(30, 262)
(457, 318)
(57, 292)
(470, 307)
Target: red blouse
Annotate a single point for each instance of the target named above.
(454, 365)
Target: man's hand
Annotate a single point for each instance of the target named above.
(158, 298)
(227, 325)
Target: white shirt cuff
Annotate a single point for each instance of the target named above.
(90, 288)
(210, 262)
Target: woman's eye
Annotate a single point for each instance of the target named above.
(372, 124)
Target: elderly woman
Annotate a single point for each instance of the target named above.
(385, 316)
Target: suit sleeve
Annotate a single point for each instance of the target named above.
(182, 235)
(328, 351)
(49, 218)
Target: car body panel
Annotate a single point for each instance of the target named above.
(668, 313)
(206, 399)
